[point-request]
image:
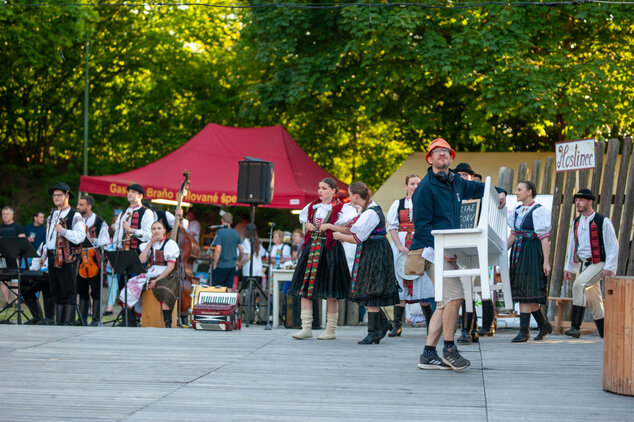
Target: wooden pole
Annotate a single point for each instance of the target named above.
(621, 183)
(521, 172)
(559, 250)
(548, 172)
(605, 200)
(596, 174)
(537, 164)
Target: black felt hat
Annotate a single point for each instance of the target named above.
(137, 188)
(465, 168)
(584, 194)
(63, 187)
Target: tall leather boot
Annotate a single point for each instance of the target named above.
(131, 317)
(428, 312)
(32, 303)
(374, 334)
(331, 327)
(307, 325)
(543, 324)
(59, 314)
(84, 305)
(384, 324)
(49, 312)
(576, 318)
(69, 314)
(167, 317)
(523, 335)
(599, 324)
(399, 311)
(96, 313)
(467, 322)
(487, 329)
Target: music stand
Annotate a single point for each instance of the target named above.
(124, 263)
(17, 248)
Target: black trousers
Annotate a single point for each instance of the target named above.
(62, 281)
(89, 287)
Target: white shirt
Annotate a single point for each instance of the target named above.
(541, 219)
(103, 237)
(392, 218)
(284, 248)
(144, 233)
(366, 223)
(257, 259)
(170, 253)
(76, 234)
(583, 248)
(194, 229)
(348, 212)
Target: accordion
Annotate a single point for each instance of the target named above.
(214, 309)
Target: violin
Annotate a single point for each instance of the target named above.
(59, 245)
(88, 267)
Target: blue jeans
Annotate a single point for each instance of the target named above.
(223, 277)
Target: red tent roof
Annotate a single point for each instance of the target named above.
(212, 158)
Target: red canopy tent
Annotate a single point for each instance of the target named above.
(212, 158)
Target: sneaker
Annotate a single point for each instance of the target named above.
(453, 358)
(432, 362)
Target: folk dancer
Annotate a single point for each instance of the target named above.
(529, 262)
(132, 228)
(88, 279)
(373, 280)
(65, 232)
(322, 270)
(437, 206)
(401, 226)
(161, 254)
(592, 255)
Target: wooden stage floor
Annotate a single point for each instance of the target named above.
(150, 374)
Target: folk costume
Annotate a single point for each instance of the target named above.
(322, 271)
(140, 219)
(166, 289)
(592, 248)
(66, 246)
(373, 283)
(400, 217)
(530, 224)
(88, 279)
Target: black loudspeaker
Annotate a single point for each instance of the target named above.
(255, 182)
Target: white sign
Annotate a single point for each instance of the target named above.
(574, 155)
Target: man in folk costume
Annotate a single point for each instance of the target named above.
(592, 254)
(88, 279)
(65, 232)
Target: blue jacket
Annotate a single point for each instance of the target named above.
(437, 205)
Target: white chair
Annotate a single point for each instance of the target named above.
(477, 249)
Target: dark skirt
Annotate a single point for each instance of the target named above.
(376, 283)
(528, 281)
(332, 279)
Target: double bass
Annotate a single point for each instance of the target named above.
(189, 252)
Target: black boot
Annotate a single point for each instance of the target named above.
(167, 316)
(523, 335)
(384, 324)
(428, 312)
(398, 321)
(542, 323)
(576, 318)
(32, 303)
(59, 314)
(374, 335)
(69, 314)
(599, 324)
(49, 312)
(131, 317)
(84, 304)
(96, 313)
(465, 336)
(487, 329)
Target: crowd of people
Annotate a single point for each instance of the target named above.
(371, 271)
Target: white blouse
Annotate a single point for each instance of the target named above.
(366, 223)
(392, 218)
(171, 251)
(348, 212)
(541, 219)
(257, 259)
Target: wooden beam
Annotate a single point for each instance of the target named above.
(537, 165)
(521, 172)
(548, 175)
(621, 183)
(599, 146)
(605, 200)
(625, 229)
(559, 249)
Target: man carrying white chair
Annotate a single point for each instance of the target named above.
(436, 205)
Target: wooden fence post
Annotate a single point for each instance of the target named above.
(548, 172)
(559, 249)
(537, 164)
(596, 174)
(626, 226)
(521, 172)
(605, 199)
(621, 183)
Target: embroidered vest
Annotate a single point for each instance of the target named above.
(527, 223)
(597, 247)
(93, 232)
(157, 256)
(135, 223)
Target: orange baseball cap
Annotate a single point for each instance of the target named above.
(439, 143)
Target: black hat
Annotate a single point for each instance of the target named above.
(137, 188)
(584, 194)
(465, 168)
(63, 187)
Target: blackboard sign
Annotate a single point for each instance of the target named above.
(469, 213)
